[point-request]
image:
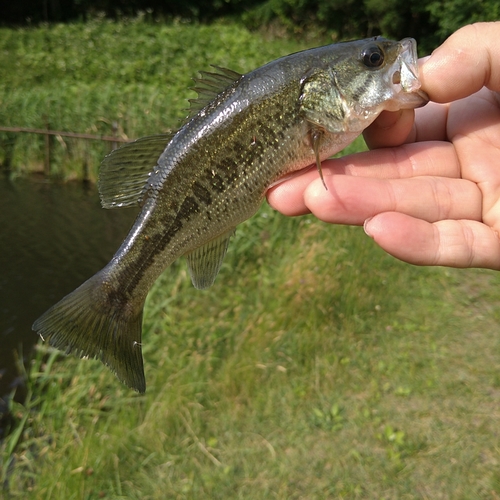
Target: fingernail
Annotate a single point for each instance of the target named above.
(366, 228)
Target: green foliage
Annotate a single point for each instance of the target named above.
(452, 14)
(315, 367)
(429, 21)
(84, 77)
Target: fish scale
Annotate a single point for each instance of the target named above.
(244, 133)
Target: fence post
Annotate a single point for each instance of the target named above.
(49, 134)
(114, 128)
(8, 147)
(46, 168)
(86, 169)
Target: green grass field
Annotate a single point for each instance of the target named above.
(83, 77)
(316, 367)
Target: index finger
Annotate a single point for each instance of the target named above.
(409, 160)
(396, 128)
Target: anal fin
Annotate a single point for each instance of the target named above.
(205, 262)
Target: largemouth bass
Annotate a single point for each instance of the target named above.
(244, 133)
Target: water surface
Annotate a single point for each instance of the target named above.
(52, 238)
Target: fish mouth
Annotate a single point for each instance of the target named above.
(405, 77)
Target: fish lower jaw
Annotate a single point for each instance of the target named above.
(407, 100)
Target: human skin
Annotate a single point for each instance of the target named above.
(428, 192)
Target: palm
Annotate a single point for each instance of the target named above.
(474, 129)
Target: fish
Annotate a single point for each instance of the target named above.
(243, 134)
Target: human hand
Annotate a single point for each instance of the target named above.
(431, 195)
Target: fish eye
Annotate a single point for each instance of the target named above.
(373, 56)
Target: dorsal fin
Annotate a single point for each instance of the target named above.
(124, 172)
(210, 85)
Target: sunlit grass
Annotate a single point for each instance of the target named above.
(316, 367)
(85, 77)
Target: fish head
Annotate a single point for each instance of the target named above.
(346, 93)
(398, 81)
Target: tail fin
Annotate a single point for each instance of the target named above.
(85, 323)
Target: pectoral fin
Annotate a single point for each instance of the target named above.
(204, 263)
(316, 135)
(125, 171)
(321, 102)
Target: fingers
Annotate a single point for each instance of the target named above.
(453, 243)
(409, 160)
(288, 196)
(424, 124)
(422, 220)
(351, 201)
(463, 64)
(390, 129)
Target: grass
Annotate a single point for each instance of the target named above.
(316, 366)
(85, 77)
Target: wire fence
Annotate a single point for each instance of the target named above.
(113, 139)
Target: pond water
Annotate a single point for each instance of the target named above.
(52, 238)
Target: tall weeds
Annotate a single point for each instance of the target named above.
(86, 77)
